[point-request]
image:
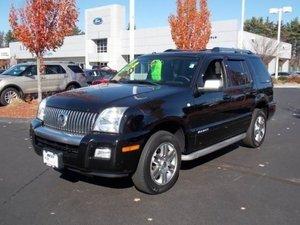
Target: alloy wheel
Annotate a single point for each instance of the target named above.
(259, 129)
(164, 163)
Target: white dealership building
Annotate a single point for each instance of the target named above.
(106, 41)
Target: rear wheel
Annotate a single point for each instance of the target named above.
(257, 130)
(72, 87)
(159, 164)
(8, 95)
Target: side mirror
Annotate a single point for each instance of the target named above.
(211, 85)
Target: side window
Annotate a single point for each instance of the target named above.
(237, 73)
(75, 69)
(30, 71)
(214, 71)
(260, 71)
(54, 69)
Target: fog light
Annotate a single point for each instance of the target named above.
(103, 153)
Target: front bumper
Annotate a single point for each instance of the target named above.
(78, 151)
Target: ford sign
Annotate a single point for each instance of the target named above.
(98, 21)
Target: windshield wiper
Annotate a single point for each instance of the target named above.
(141, 82)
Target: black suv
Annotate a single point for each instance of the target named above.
(158, 110)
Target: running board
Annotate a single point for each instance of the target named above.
(213, 148)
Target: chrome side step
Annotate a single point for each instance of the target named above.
(213, 148)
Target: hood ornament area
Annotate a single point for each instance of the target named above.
(62, 120)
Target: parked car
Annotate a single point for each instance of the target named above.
(1, 71)
(282, 74)
(157, 111)
(295, 73)
(98, 76)
(106, 68)
(21, 79)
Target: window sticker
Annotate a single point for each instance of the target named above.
(156, 68)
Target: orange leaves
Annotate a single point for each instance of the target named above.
(42, 24)
(191, 27)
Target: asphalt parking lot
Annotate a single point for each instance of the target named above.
(236, 185)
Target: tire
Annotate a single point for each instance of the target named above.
(257, 130)
(8, 95)
(156, 173)
(72, 87)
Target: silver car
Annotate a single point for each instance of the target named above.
(21, 79)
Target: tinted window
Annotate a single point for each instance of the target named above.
(54, 69)
(260, 71)
(75, 69)
(30, 71)
(237, 73)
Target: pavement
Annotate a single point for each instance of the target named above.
(235, 185)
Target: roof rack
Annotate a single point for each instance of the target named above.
(231, 50)
(173, 50)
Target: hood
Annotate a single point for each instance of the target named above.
(94, 98)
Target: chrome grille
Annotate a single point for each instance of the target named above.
(76, 122)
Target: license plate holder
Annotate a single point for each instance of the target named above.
(53, 158)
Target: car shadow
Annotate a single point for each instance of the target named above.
(187, 165)
(126, 182)
(118, 183)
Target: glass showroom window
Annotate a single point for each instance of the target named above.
(101, 45)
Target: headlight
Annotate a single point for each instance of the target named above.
(41, 111)
(109, 120)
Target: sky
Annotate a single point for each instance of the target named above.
(155, 13)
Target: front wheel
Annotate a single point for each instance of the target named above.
(8, 95)
(257, 131)
(159, 164)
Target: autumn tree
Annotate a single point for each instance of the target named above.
(41, 26)
(191, 27)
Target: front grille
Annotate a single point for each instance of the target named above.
(74, 122)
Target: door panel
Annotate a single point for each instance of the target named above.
(210, 109)
(55, 75)
(207, 119)
(239, 91)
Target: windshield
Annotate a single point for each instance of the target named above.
(158, 70)
(15, 70)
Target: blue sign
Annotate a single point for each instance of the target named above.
(98, 21)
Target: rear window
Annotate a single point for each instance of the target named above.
(75, 69)
(260, 71)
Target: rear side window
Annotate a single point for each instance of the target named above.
(54, 69)
(75, 69)
(237, 73)
(260, 71)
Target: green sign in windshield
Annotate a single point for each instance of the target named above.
(156, 69)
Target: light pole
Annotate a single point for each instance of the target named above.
(279, 11)
(131, 29)
(242, 24)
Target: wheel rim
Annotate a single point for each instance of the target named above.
(10, 96)
(164, 163)
(259, 129)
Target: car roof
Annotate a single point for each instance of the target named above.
(212, 52)
(50, 63)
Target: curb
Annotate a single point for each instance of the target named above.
(287, 86)
(15, 120)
